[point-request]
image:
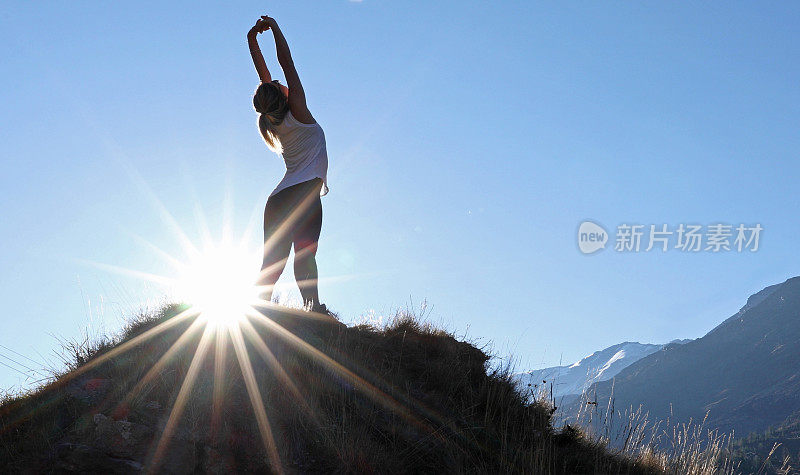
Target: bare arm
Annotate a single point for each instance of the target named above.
(296, 96)
(255, 51)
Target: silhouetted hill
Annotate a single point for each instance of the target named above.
(170, 396)
(745, 373)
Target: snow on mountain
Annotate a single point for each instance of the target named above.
(599, 366)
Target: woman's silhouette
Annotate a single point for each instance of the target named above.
(293, 215)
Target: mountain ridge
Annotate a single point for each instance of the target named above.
(745, 372)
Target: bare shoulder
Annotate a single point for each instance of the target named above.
(302, 114)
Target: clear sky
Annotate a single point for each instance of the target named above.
(467, 142)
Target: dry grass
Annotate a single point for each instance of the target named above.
(676, 448)
(418, 400)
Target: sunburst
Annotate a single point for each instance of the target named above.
(218, 282)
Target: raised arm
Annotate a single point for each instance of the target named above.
(255, 51)
(296, 95)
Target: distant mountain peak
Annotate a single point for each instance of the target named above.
(599, 366)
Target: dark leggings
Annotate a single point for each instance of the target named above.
(293, 216)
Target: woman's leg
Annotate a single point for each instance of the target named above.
(277, 242)
(306, 239)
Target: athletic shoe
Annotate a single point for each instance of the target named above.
(321, 309)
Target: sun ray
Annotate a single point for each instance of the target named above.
(255, 214)
(285, 227)
(255, 397)
(273, 362)
(165, 358)
(183, 396)
(227, 211)
(114, 352)
(166, 217)
(220, 360)
(130, 344)
(332, 279)
(202, 224)
(365, 387)
(168, 258)
(299, 313)
(158, 279)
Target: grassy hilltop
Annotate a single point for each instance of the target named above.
(404, 398)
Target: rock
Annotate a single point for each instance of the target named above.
(80, 458)
(89, 390)
(120, 439)
(121, 412)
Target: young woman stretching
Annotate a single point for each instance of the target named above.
(293, 214)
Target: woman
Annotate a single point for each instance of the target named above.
(293, 215)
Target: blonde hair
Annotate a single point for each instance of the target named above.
(272, 106)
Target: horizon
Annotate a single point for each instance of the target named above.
(466, 146)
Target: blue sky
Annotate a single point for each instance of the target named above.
(467, 141)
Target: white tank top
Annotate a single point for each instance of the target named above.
(304, 153)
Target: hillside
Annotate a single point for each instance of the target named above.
(170, 396)
(772, 450)
(745, 373)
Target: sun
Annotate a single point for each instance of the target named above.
(219, 282)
